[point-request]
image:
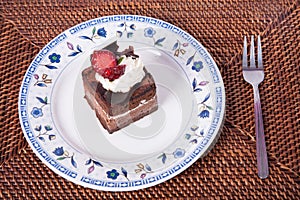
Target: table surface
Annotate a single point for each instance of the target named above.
(229, 170)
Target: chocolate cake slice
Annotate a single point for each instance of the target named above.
(116, 110)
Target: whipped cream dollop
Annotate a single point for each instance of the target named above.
(134, 73)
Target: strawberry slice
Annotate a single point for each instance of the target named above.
(103, 59)
(105, 63)
(114, 72)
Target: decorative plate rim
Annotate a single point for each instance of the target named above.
(72, 175)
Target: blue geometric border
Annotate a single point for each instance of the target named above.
(220, 100)
(23, 106)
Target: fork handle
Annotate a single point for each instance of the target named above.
(261, 152)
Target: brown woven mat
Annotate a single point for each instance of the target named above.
(229, 171)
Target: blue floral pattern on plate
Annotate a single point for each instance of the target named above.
(150, 32)
(40, 131)
(96, 34)
(127, 30)
(54, 58)
(44, 132)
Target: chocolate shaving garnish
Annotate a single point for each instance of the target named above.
(129, 53)
(113, 47)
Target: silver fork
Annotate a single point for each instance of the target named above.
(255, 75)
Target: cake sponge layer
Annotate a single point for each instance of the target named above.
(117, 110)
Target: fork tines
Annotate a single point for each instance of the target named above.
(252, 55)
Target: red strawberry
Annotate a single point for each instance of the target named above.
(114, 72)
(103, 59)
(104, 63)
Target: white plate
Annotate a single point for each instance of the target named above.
(63, 131)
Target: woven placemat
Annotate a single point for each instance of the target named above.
(229, 170)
